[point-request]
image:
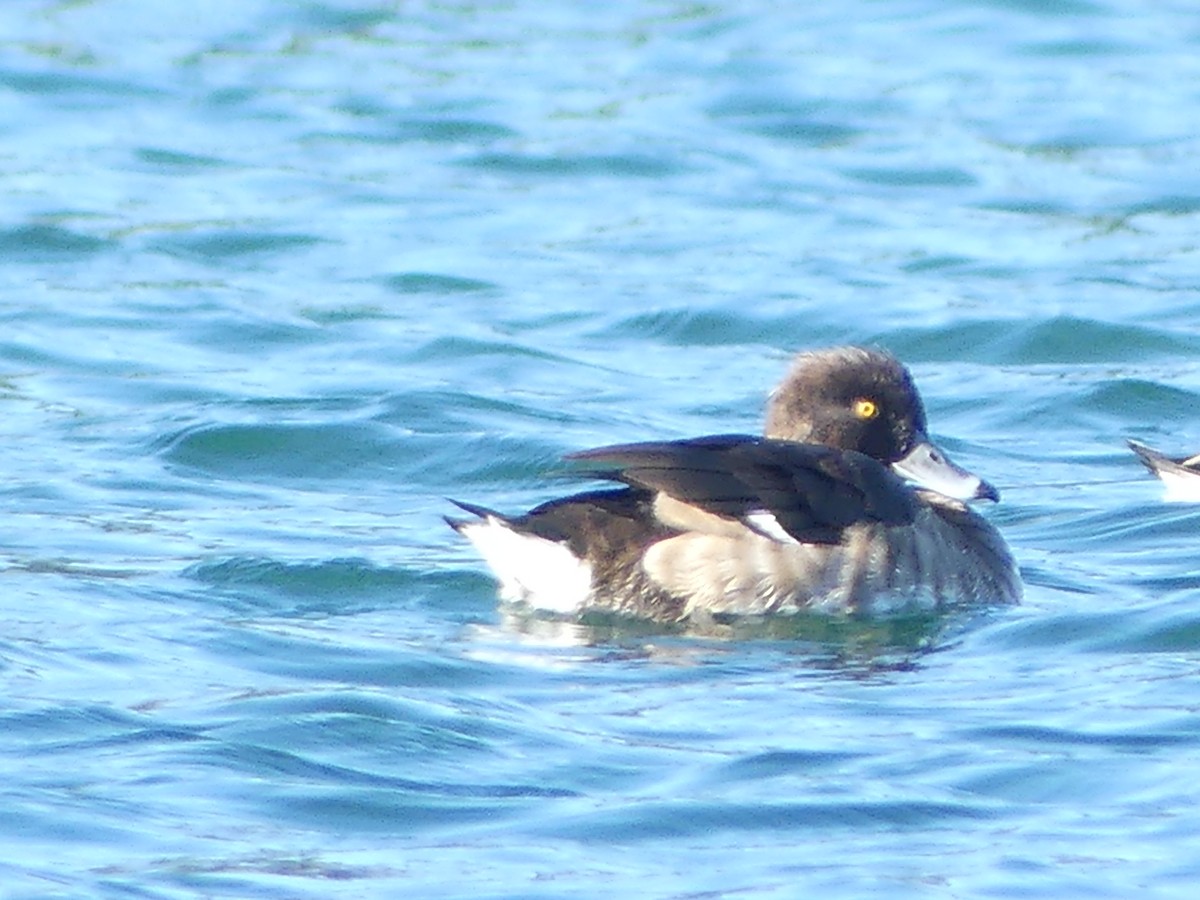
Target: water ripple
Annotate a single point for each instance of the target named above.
(32, 244)
(577, 166)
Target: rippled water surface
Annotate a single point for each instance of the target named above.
(278, 278)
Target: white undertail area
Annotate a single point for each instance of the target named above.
(543, 573)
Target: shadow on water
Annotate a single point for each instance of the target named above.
(846, 645)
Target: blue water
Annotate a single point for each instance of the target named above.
(278, 278)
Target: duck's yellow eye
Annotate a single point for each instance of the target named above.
(865, 409)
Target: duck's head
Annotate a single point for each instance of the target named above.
(853, 398)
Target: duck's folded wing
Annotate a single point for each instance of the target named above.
(811, 492)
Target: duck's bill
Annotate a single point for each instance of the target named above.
(928, 467)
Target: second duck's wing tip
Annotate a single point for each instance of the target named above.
(1151, 458)
(481, 514)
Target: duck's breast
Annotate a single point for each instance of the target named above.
(943, 558)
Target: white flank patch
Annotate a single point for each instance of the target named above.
(1180, 487)
(533, 570)
(767, 525)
